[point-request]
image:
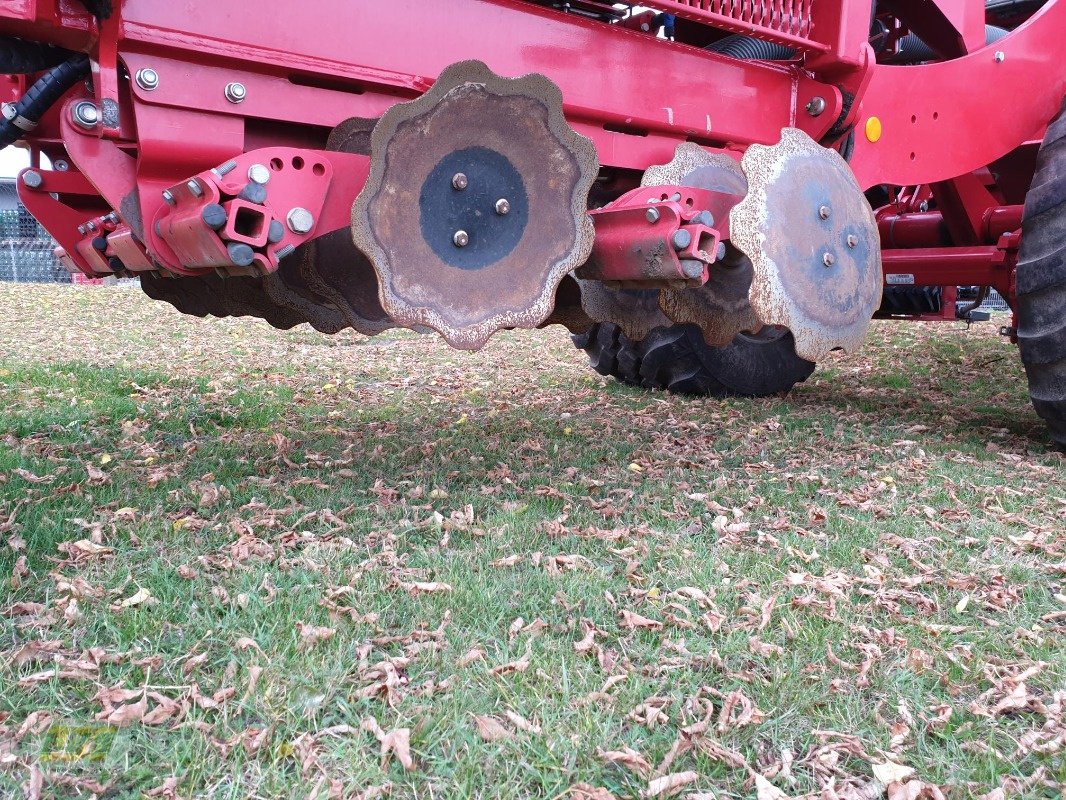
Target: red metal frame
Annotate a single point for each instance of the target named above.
(308, 66)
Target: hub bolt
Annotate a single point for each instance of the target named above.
(1000, 57)
(823, 212)
(682, 239)
(235, 92)
(461, 239)
(503, 207)
(147, 78)
(194, 187)
(168, 198)
(459, 181)
(815, 106)
(300, 220)
(704, 218)
(692, 268)
(32, 179)
(852, 240)
(828, 259)
(653, 215)
(258, 173)
(86, 115)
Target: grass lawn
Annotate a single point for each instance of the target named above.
(241, 562)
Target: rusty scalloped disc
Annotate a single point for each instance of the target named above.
(720, 308)
(510, 138)
(635, 311)
(813, 243)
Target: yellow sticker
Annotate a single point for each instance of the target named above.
(873, 129)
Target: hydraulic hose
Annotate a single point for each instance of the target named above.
(744, 47)
(23, 116)
(19, 57)
(913, 50)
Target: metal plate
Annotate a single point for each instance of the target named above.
(332, 266)
(635, 311)
(720, 307)
(813, 243)
(510, 139)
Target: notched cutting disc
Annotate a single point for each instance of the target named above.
(813, 243)
(720, 307)
(475, 207)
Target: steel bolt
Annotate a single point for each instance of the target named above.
(461, 239)
(225, 169)
(815, 106)
(90, 225)
(168, 198)
(681, 239)
(285, 251)
(235, 92)
(852, 240)
(240, 254)
(275, 231)
(259, 173)
(719, 254)
(828, 259)
(81, 229)
(459, 181)
(823, 212)
(147, 78)
(32, 179)
(704, 218)
(692, 268)
(1000, 57)
(85, 114)
(652, 216)
(503, 207)
(676, 197)
(59, 165)
(300, 220)
(194, 187)
(9, 111)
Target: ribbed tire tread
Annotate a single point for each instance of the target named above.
(678, 360)
(1042, 282)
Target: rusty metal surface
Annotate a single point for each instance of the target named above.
(635, 311)
(520, 121)
(567, 310)
(813, 243)
(720, 307)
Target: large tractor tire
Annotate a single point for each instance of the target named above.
(1042, 282)
(677, 359)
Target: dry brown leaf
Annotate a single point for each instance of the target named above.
(583, 791)
(764, 790)
(423, 587)
(891, 772)
(490, 729)
(470, 656)
(128, 714)
(631, 619)
(310, 635)
(522, 723)
(628, 758)
(669, 785)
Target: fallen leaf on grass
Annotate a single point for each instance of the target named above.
(419, 587)
(396, 742)
(522, 723)
(891, 772)
(583, 791)
(764, 790)
(628, 758)
(633, 620)
(490, 729)
(310, 635)
(669, 785)
(127, 714)
(142, 595)
(470, 656)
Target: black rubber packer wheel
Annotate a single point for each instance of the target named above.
(677, 359)
(1042, 282)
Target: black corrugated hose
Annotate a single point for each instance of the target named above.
(19, 57)
(23, 116)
